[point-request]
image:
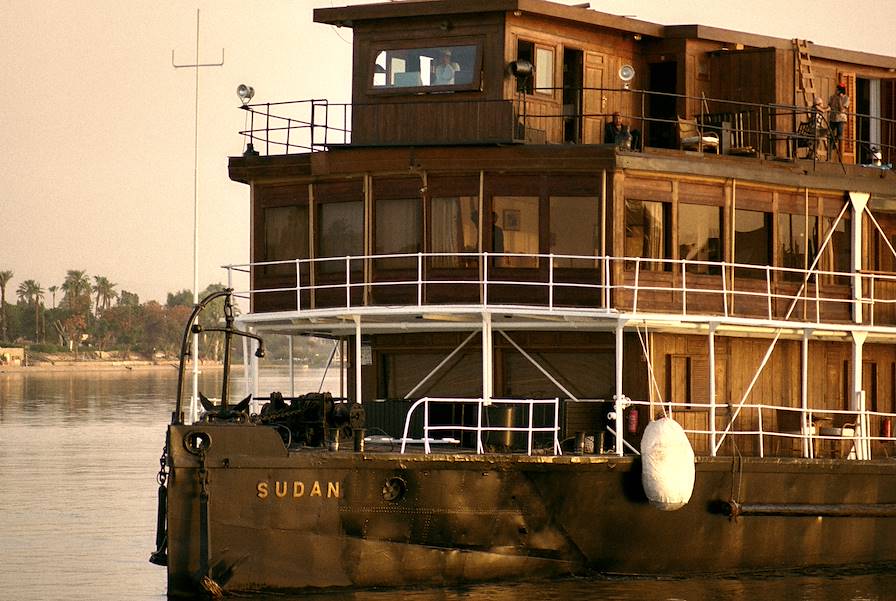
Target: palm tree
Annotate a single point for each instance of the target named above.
(77, 291)
(52, 290)
(31, 293)
(5, 276)
(105, 293)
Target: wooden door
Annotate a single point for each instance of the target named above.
(848, 145)
(594, 98)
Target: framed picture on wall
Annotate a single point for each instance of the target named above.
(511, 220)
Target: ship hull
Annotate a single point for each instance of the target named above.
(279, 520)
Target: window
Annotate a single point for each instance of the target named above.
(544, 70)
(397, 231)
(647, 233)
(515, 229)
(837, 255)
(437, 67)
(542, 59)
(340, 232)
(752, 241)
(285, 237)
(575, 229)
(699, 236)
(455, 229)
(798, 243)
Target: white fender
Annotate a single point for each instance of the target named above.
(667, 465)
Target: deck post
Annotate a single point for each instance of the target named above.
(292, 368)
(858, 200)
(857, 398)
(804, 394)
(712, 386)
(357, 358)
(620, 422)
(487, 376)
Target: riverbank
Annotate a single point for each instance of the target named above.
(65, 363)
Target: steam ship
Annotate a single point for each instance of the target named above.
(519, 284)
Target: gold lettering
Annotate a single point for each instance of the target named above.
(315, 489)
(332, 489)
(298, 488)
(281, 492)
(262, 489)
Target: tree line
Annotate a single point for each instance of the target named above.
(89, 312)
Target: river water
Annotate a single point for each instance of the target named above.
(78, 459)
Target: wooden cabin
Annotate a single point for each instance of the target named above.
(472, 172)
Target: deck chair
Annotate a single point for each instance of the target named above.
(814, 138)
(796, 425)
(692, 138)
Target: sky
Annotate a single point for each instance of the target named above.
(97, 172)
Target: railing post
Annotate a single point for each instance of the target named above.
(761, 433)
(419, 279)
(313, 106)
(637, 280)
(426, 426)
(531, 411)
(298, 285)
(606, 295)
(288, 131)
(725, 290)
(485, 279)
(348, 283)
(557, 450)
(267, 129)
(479, 426)
(684, 287)
(768, 290)
(551, 282)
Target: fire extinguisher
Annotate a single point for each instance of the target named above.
(886, 428)
(632, 421)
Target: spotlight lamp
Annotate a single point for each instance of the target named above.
(245, 93)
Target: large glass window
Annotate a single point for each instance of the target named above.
(436, 67)
(455, 230)
(514, 229)
(575, 229)
(699, 236)
(752, 240)
(285, 237)
(798, 243)
(397, 230)
(340, 232)
(647, 233)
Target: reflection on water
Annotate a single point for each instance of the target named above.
(78, 458)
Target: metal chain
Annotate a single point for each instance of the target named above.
(162, 476)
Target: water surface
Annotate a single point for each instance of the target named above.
(78, 459)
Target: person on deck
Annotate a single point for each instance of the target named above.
(838, 104)
(618, 133)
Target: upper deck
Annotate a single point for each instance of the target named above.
(376, 203)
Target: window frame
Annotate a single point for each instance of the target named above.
(376, 48)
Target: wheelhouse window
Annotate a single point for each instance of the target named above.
(647, 233)
(397, 231)
(340, 232)
(436, 67)
(285, 237)
(575, 230)
(514, 229)
(454, 230)
(700, 237)
(752, 241)
(542, 59)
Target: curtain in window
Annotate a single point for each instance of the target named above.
(446, 230)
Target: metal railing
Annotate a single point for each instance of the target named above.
(612, 283)
(754, 433)
(771, 129)
(530, 430)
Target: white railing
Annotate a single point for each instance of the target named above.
(481, 406)
(813, 427)
(774, 289)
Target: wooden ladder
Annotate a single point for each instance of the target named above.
(804, 64)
